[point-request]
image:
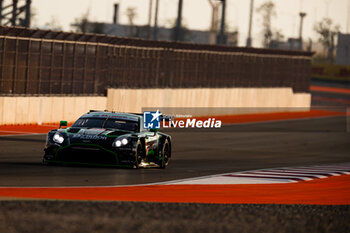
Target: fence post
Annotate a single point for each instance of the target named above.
(14, 76)
(73, 67)
(63, 67)
(2, 67)
(95, 73)
(51, 68)
(84, 70)
(27, 67)
(40, 66)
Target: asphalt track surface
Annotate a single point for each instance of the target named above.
(196, 152)
(337, 95)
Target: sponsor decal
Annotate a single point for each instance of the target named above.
(91, 137)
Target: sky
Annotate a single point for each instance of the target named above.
(197, 14)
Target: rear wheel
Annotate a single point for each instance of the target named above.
(164, 161)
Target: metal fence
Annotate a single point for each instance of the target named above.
(39, 62)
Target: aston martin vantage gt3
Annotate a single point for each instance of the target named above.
(102, 138)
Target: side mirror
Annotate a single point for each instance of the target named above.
(154, 131)
(63, 123)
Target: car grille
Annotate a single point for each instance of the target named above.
(86, 154)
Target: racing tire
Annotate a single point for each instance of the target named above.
(165, 155)
(44, 162)
(138, 155)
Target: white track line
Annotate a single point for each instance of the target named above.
(286, 173)
(274, 175)
(306, 173)
(242, 177)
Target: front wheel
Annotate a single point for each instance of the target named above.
(44, 162)
(138, 155)
(164, 161)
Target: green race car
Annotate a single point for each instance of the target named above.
(104, 138)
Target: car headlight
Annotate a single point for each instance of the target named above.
(124, 141)
(58, 138)
(119, 143)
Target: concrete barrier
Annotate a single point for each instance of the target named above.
(197, 101)
(38, 110)
(193, 101)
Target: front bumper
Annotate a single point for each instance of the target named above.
(88, 154)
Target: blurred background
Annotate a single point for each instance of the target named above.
(316, 25)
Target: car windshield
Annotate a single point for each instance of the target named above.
(106, 123)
